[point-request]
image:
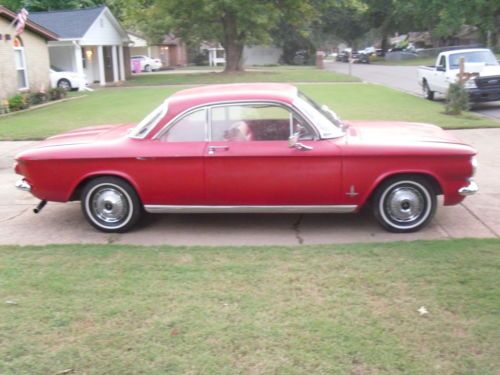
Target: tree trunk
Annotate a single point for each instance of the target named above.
(232, 44)
(385, 42)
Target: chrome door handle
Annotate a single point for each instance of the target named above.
(212, 149)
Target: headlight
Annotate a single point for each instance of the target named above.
(473, 162)
(470, 84)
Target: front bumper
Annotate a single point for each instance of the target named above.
(484, 94)
(470, 189)
(23, 185)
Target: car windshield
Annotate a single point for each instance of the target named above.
(149, 122)
(326, 121)
(485, 57)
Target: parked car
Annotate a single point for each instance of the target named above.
(483, 84)
(301, 57)
(147, 63)
(360, 58)
(343, 56)
(64, 79)
(251, 148)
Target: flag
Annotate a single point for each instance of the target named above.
(21, 19)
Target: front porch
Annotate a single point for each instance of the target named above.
(102, 64)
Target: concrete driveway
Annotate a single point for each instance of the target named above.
(403, 78)
(478, 216)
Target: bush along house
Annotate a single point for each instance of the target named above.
(24, 56)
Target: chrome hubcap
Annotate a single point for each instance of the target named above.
(405, 204)
(109, 205)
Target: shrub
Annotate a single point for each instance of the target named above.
(201, 59)
(18, 102)
(36, 98)
(457, 99)
(57, 93)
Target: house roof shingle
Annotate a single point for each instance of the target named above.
(68, 24)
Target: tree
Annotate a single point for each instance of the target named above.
(233, 23)
(343, 18)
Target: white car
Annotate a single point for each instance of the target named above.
(147, 63)
(64, 79)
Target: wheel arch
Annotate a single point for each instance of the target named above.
(430, 177)
(64, 79)
(77, 188)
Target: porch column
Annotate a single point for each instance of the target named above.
(114, 56)
(122, 63)
(79, 66)
(100, 59)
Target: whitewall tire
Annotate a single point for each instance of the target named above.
(110, 204)
(404, 204)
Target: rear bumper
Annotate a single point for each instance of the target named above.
(23, 185)
(484, 95)
(470, 189)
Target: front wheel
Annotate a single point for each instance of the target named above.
(404, 204)
(110, 204)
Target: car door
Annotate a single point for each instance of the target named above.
(248, 160)
(440, 78)
(172, 165)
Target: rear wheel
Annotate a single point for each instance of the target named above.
(404, 204)
(428, 94)
(148, 68)
(110, 204)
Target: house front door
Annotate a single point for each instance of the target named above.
(108, 63)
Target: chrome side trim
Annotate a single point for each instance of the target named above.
(159, 209)
(23, 185)
(470, 189)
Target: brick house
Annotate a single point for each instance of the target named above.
(24, 59)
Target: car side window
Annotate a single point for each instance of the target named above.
(190, 128)
(255, 122)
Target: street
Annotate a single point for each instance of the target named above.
(403, 78)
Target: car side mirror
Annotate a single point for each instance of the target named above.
(441, 69)
(293, 142)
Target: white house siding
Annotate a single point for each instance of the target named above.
(102, 33)
(261, 55)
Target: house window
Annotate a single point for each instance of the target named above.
(20, 61)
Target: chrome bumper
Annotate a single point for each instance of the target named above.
(23, 185)
(470, 189)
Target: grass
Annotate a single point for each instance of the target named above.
(267, 74)
(129, 105)
(349, 309)
(411, 62)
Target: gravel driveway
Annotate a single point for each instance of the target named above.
(478, 216)
(402, 78)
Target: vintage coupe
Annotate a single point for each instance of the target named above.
(255, 148)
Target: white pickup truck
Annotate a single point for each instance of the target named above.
(484, 84)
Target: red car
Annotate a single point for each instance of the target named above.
(250, 148)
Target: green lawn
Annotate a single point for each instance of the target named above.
(129, 105)
(411, 62)
(267, 74)
(349, 309)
